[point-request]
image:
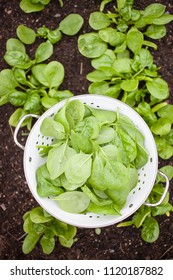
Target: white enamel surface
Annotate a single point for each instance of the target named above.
(138, 195)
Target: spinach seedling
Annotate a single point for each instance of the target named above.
(145, 217)
(124, 67)
(42, 228)
(29, 6)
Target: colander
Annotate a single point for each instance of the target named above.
(147, 174)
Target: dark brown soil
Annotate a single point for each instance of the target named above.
(15, 197)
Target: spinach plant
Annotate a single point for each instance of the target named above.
(29, 6)
(31, 84)
(70, 26)
(145, 217)
(42, 228)
(124, 67)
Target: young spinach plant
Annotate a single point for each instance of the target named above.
(32, 84)
(124, 67)
(29, 6)
(42, 228)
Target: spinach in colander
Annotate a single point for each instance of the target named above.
(92, 163)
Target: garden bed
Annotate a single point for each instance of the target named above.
(15, 197)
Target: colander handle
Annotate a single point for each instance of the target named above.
(18, 127)
(164, 193)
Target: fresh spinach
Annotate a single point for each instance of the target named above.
(124, 66)
(29, 6)
(40, 227)
(31, 83)
(94, 150)
(146, 217)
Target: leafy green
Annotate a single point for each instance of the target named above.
(94, 150)
(42, 228)
(29, 6)
(71, 24)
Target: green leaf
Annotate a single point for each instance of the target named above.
(78, 168)
(99, 20)
(47, 102)
(162, 126)
(18, 59)
(134, 40)
(153, 11)
(164, 19)
(39, 73)
(73, 202)
(129, 85)
(17, 98)
(156, 31)
(166, 112)
(122, 65)
(90, 45)
(37, 216)
(43, 52)
(14, 44)
(54, 73)
(45, 186)
(32, 103)
(76, 110)
(140, 216)
(71, 24)
(89, 127)
(26, 34)
(30, 242)
(80, 143)
(158, 88)
(106, 135)
(57, 160)
(50, 127)
(150, 230)
(47, 244)
(8, 82)
(54, 36)
(28, 6)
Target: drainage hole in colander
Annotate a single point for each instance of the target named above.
(143, 182)
(151, 159)
(139, 188)
(133, 192)
(38, 135)
(30, 159)
(131, 205)
(52, 115)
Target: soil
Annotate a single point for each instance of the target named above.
(15, 197)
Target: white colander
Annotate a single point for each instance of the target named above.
(137, 196)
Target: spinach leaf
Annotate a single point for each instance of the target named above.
(71, 24)
(99, 20)
(26, 34)
(57, 158)
(50, 127)
(90, 45)
(78, 168)
(45, 186)
(74, 202)
(150, 230)
(43, 52)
